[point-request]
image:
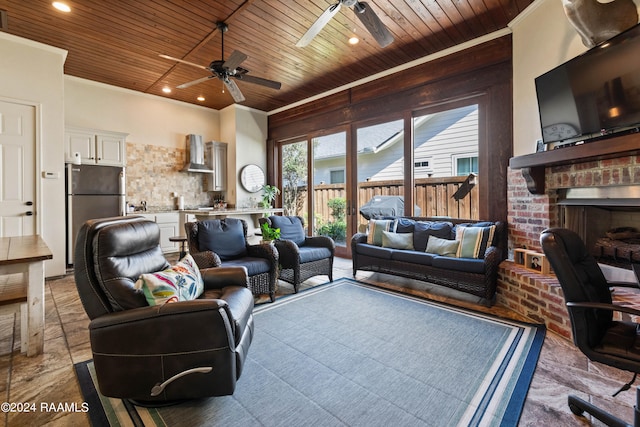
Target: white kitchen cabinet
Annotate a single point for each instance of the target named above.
(217, 160)
(169, 223)
(96, 146)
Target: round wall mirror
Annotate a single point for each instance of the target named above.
(252, 178)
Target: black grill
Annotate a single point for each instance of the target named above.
(385, 206)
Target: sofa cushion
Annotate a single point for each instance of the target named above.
(466, 265)
(182, 282)
(414, 257)
(376, 227)
(474, 240)
(444, 247)
(397, 240)
(374, 251)
(225, 237)
(291, 228)
(424, 229)
(404, 225)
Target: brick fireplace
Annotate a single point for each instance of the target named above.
(535, 184)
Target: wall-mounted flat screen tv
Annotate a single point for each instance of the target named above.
(594, 94)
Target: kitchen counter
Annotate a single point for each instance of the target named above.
(207, 212)
(253, 214)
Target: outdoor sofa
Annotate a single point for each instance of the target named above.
(460, 254)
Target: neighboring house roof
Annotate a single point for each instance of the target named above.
(369, 139)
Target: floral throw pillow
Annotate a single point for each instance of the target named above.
(182, 282)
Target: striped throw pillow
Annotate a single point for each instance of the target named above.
(376, 227)
(474, 240)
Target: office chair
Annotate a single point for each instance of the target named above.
(587, 293)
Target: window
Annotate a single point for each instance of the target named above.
(464, 165)
(336, 176)
(423, 164)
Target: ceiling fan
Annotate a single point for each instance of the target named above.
(225, 70)
(366, 15)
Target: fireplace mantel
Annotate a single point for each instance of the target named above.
(533, 166)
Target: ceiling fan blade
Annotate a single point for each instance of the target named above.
(319, 24)
(234, 90)
(373, 24)
(171, 58)
(195, 82)
(259, 81)
(234, 60)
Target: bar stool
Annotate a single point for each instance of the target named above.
(183, 241)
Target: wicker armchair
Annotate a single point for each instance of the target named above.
(301, 257)
(223, 243)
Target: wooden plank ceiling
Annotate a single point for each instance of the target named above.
(118, 42)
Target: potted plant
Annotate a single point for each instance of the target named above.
(269, 233)
(269, 195)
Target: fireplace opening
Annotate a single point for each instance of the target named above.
(607, 219)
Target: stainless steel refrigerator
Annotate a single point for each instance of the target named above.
(92, 192)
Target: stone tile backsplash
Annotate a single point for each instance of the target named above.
(154, 173)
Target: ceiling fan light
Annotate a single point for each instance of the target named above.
(62, 7)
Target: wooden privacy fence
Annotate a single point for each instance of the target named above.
(434, 196)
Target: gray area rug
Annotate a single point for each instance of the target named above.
(349, 354)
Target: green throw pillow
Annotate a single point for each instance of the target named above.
(444, 247)
(397, 240)
(182, 282)
(474, 240)
(376, 227)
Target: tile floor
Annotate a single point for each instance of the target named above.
(50, 378)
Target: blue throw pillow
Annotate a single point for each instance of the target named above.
(291, 228)
(225, 237)
(423, 229)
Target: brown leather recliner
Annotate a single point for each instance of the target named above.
(162, 353)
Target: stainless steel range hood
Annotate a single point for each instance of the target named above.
(195, 155)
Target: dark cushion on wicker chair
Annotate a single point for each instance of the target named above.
(225, 238)
(291, 228)
(310, 253)
(229, 237)
(301, 257)
(254, 265)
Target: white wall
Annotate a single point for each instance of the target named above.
(245, 129)
(148, 119)
(542, 39)
(32, 73)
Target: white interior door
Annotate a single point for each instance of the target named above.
(17, 169)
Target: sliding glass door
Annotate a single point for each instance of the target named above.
(336, 180)
(380, 171)
(314, 184)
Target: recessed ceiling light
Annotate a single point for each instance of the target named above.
(200, 98)
(166, 89)
(62, 7)
(354, 40)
